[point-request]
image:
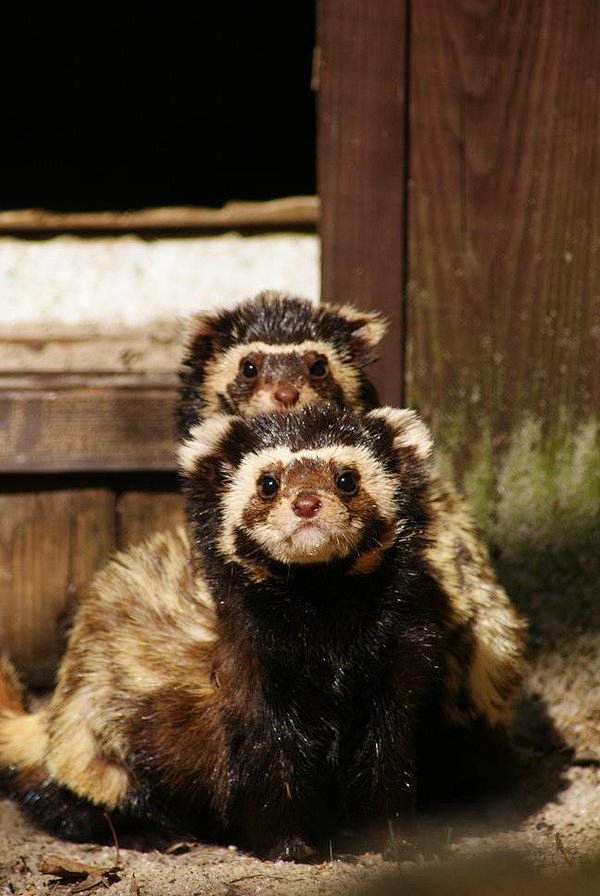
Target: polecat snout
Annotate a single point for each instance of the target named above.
(279, 673)
(276, 352)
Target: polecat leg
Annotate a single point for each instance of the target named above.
(23, 735)
(75, 760)
(64, 783)
(66, 788)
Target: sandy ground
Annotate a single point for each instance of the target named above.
(548, 825)
(551, 823)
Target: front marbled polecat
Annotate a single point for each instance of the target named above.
(326, 640)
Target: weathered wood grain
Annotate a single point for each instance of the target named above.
(140, 513)
(151, 350)
(504, 218)
(51, 544)
(361, 165)
(86, 423)
(502, 325)
(504, 305)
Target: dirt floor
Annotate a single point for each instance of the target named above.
(542, 839)
(546, 832)
(550, 825)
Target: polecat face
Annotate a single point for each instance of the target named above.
(277, 352)
(314, 486)
(311, 506)
(257, 377)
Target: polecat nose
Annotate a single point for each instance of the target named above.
(306, 504)
(286, 394)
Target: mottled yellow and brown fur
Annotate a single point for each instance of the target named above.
(485, 620)
(146, 626)
(280, 669)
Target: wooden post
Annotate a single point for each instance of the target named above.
(504, 218)
(499, 344)
(361, 77)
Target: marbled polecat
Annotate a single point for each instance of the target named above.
(276, 352)
(281, 672)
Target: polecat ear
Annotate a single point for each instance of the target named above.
(408, 430)
(204, 439)
(368, 329)
(199, 333)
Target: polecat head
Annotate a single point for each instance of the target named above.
(276, 352)
(317, 485)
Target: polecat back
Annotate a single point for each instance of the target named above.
(276, 352)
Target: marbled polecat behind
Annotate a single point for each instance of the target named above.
(283, 671)
(276, 352)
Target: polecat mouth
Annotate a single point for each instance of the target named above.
(311, 542)
(309, 532)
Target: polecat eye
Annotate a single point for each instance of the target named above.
(347, 482)
(249, 369)
(319, 368)
(268, 486)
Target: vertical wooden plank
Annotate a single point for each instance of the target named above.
(504, 216)
(504, 312)
(361, 165)
(141, 513)
(51, 543)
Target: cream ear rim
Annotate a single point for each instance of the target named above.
(408, 429)
(371, 326)
(201, 324)
(203, 440)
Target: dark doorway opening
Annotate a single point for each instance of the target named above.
(108, 110)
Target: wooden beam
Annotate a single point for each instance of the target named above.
(290, 212)
(69, 423)
(361, 77)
